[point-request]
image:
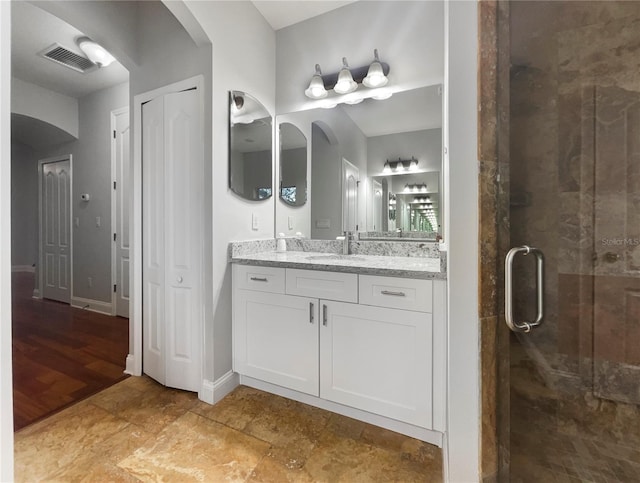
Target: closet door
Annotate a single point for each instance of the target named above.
(184, 239)
(173, 211)
(153, 242)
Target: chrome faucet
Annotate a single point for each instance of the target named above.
(348, 236)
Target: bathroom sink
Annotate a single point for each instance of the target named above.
(334, 256)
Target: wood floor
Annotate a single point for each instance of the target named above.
(60, 354)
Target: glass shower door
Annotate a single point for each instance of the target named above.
(574, 194)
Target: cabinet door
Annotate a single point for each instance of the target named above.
(275, 339)
(378, 360)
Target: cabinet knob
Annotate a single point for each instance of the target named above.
(179, 279)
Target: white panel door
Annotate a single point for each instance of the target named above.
(122, 187)
(173, 239)
(275, 339)
(56, 230)
(153, 241)
(350, 181)
(184, 247)
(378, 360)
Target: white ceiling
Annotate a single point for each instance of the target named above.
(33, 30)
(281, 14)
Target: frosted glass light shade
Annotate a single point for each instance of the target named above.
(375, 76)
(345, 83)
(316, 88)
(95, 52)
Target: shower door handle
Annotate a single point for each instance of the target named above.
(508, 292)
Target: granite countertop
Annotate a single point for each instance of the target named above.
(390, 266)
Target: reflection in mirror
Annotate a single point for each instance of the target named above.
(395, 146)
(408, 206)
(250, 147)
(293, 165)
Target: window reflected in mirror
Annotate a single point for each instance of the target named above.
(293, 165)
(250, 147)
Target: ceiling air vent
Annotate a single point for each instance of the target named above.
(63, 56)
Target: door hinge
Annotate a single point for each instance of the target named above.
(114, 134)
(114, 288)
(114, 237)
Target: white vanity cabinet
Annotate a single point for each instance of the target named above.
(377, 359)
(275, 336)
(276, 339)
(360, 345)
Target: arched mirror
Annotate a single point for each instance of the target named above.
(293, 165)
(250, 147)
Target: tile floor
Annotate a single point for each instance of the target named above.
(139, 430)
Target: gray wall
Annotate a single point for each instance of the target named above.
(293, 165)
(325, 172)
(408, 35)
(254, 174)
(92, 174)
(425, 146)
(244, 59)
(24, 205)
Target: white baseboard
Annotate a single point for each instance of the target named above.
(92, 305)
(36, 294)
(23, 268)
(445, 457)
(130, 366)
(423, 434)
(206, 391)
(213, 392)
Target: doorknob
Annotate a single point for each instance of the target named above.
(179, 279)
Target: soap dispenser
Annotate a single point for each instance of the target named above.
(281, 244)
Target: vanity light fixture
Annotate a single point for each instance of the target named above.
(375, 75)
(316, 89)
(415, 188)
(95, 52)
(401, 165)
(345, 83)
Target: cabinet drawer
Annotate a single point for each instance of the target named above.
(342, 287)
(262, 279)
(396, 293)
